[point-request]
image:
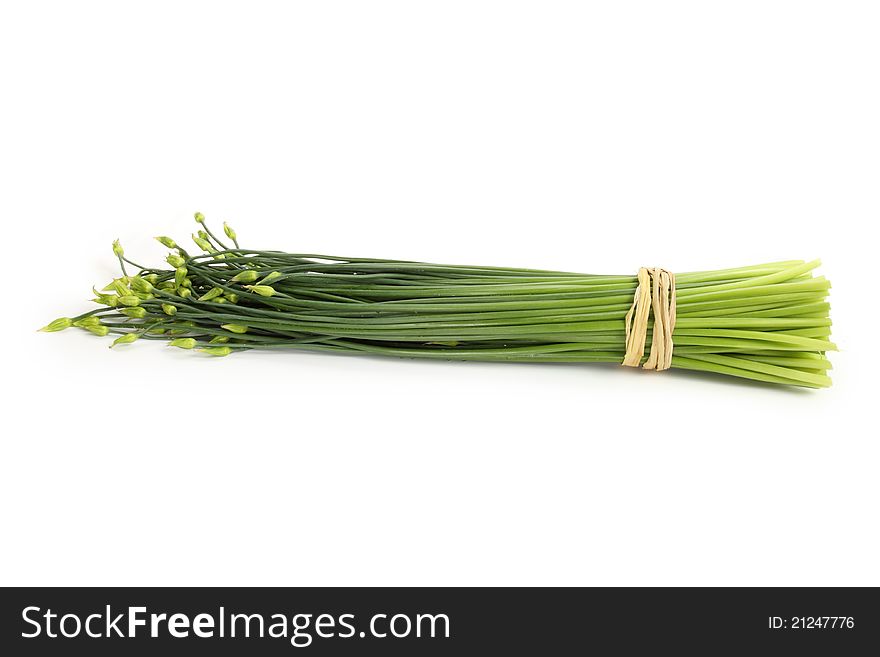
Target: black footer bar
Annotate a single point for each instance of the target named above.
(436, 621)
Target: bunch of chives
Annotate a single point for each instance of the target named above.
(765, 322)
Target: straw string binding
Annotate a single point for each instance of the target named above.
(655, 295)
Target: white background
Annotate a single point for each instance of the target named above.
(589, 137)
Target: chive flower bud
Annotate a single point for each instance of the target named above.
(58, 325)
(168, 309)
(179, 274)
(219, 339)
(246, 276)
(185, 292)
(117, 249)
(217, 351)
(270, 278)
(142, 285)
(213, 293)
(231, 297)
(203, 244)
(199, 217)
(167, 241)
(136, 313)
(86, 322)
(182, 328)
(129, 300)
(219, 300)
(229, 232)
(262, 290)
(152, 279)
(104, 299)
(183, 343)
(120, 287)
(100, 330)
(128, 338)
(175, 261)
(234, 328)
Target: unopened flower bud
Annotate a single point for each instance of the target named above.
(128, 338)
(120, 287)
(229, 232)
(185, 292)
(129, 300)
(152, 279)
(274, 276)
(234, 328)
(175, 261)
(199, 217)
(183, 343)
(168, 309)
(219, 339)
(219, 300)
(179, 274)
(86, 322)
(136, 313)
(246, 276)
(213, 293)
(104, 299)
(203, 244)
(58, 325)
(262, 290)
(217, 351)
(231, 297)
(100, 330)
(141, 285)
(117, 249)
(167, 241)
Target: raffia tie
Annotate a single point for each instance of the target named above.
(655, 293)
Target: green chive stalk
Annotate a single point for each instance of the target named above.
(765, 322)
